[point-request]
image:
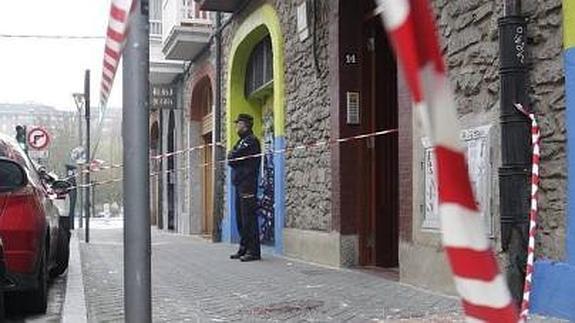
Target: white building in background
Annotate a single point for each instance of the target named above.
(29, 115)
(179, 32)
(52, 119)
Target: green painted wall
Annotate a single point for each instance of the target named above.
(256, 26)
(569, 23)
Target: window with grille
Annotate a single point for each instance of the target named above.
(259, 71)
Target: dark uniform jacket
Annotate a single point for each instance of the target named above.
(245, 171)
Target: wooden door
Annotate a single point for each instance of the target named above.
(379, 242)
(208, 183)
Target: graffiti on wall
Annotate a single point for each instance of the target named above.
(266, 185)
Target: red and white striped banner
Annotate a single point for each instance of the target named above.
(115, 38)
(480, 284)
(535, 138)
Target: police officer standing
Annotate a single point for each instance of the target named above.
(245, 179)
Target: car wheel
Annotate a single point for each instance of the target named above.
(37, 300)
(62, 254)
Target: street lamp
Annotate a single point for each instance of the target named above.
(80, 101)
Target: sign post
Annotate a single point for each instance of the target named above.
(87, 181)
(136, 116)
(38, 140)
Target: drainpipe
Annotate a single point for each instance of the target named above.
(218, 185)
(514, 174)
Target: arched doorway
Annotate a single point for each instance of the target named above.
(155, 181)
(256, 87)
(202, 112)
(171, 175)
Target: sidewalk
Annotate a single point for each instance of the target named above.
(195, 281)
(75, 303)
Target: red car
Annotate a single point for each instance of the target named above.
(34, 240)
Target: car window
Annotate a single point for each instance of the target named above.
(12, 151)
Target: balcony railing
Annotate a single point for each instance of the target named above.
(155, 28)
(191, 13)
(182, 13)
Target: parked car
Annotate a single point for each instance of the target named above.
(2, 281)
(36, 246)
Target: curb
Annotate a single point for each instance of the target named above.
(75, 303)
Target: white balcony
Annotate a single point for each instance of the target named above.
(156, 29)
(186, 29)
(162, 71)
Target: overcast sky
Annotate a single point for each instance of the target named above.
(49, 71)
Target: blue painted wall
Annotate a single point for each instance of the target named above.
(229, 228)
(279, 194)
(570, 92)
(553, 291)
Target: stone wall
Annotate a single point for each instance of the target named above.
(470, 39)
(548, 97)
(308, 178)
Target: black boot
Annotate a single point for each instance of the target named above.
(249, 257)
(237, 255)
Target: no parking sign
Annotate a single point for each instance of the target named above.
(38, 139)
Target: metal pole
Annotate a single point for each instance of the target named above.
(80, 181)
(93, 190)
(136, 117)
(216, 140)
(512, 7)
(88, 157)
(515, 170)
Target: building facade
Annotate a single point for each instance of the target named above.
(316, 72)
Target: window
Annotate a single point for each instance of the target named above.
(207, 102)
(259, 71)
(155, 10)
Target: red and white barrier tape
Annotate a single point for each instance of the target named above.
(280, 151)
(225, 161)
(483, 290)
(535, 140)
